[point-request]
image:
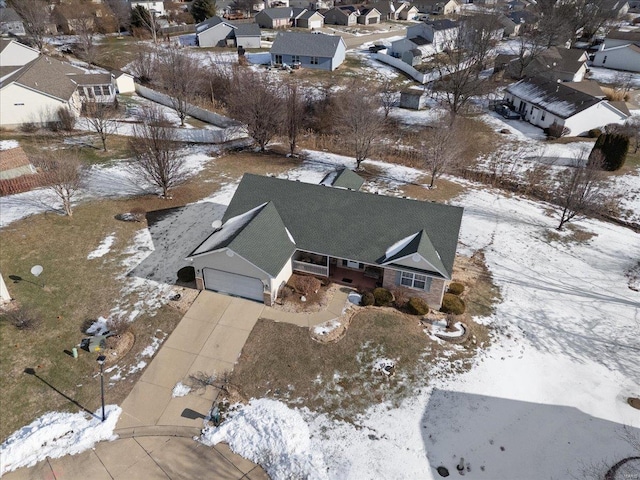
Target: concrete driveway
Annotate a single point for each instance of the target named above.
(208, 339)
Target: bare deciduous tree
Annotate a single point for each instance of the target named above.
(579, 188)
(441, 147)
(179, 78)
(154, 147)
(459, 65)
(387, 96)
(359, 118)
(294, 109)
(145, 65)
(102, 119)
(36, 16)
(143, 18)
(84, 27)
(63, 173)
(530, 46)
(255, 101)
(121, 11)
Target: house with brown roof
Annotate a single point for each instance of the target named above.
(37, 91)
(13, 161)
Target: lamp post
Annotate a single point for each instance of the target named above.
(101, 360)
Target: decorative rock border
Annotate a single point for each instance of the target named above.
(457, 340)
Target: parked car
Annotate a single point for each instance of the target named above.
(507, 113)
(376, 48)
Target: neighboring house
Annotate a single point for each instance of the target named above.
(620, 51)
(555, 63)
(516, 23)
(278, 17)
(324, 52)
(438, 7)
(623, 57)
(214, 32)
(421, 44)
(310, 19)
(154, 6)
(312, 5)
(410, 12)
(274, 227)
(11, 23)
(619, 7)
(369, 16)
(543, 102)
(35, 92)
(340, 16)
(440, 33)
(15, 54)
(247, 35)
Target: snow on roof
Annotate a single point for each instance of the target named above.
(399, 245)
(552, 96)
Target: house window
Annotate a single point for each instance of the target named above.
(97, 90)
(604, 60)
(542, 116)
(531, 110)
(295, 58)
(415, 280)
(314, 61)
(82, 92)
(278, 59)
(106, 90)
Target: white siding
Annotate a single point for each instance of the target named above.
(125, 84)
(283, 276)
(16, 54)
(618, 59)
(597, 116)
(19, 105)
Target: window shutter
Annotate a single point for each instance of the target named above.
(427, 286)
(398, 276)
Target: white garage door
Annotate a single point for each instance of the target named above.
(232, 283)
(315, 24)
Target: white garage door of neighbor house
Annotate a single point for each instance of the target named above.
(232, 283)
(315, 24)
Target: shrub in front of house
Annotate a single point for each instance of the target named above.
(456, 288)
(595, 133)
(400, 297)
(383, 297)
(367, 299)
(187, 274)
(613, 149)
(452, 304)
(417, 306)
(306, 284)
(23, 318)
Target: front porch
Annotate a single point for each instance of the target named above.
(343, 272)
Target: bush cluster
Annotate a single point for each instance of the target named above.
(417, 306)
(306, 284)
(613, 149)
(383, 297)
(23, 319)
(452, 304)
(456, 288)
(400, 297)
(367, 299)
(595, 133)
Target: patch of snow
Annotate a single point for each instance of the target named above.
(326, 327)
(56, 434)
(384, 365)
(458, 330)
(272, 435)
(98, 327)
(399, 245)
(149, 350)
(180, 390)
(103, 248)
(8, 144)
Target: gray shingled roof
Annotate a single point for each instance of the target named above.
(9, 15)
(420, 244)
(444, 24)
(259, 236)
(88, 79)
(279, 12)
(46, 75)
(348, 179)
(552, 96)
(354, 225)
(306, 44)
(247, 30)
(209, 23)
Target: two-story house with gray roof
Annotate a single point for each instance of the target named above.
(323, 52)
(274, 227)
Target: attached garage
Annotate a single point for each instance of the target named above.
(233, 283)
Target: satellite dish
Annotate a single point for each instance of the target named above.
(216, 224)
(36, 270)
